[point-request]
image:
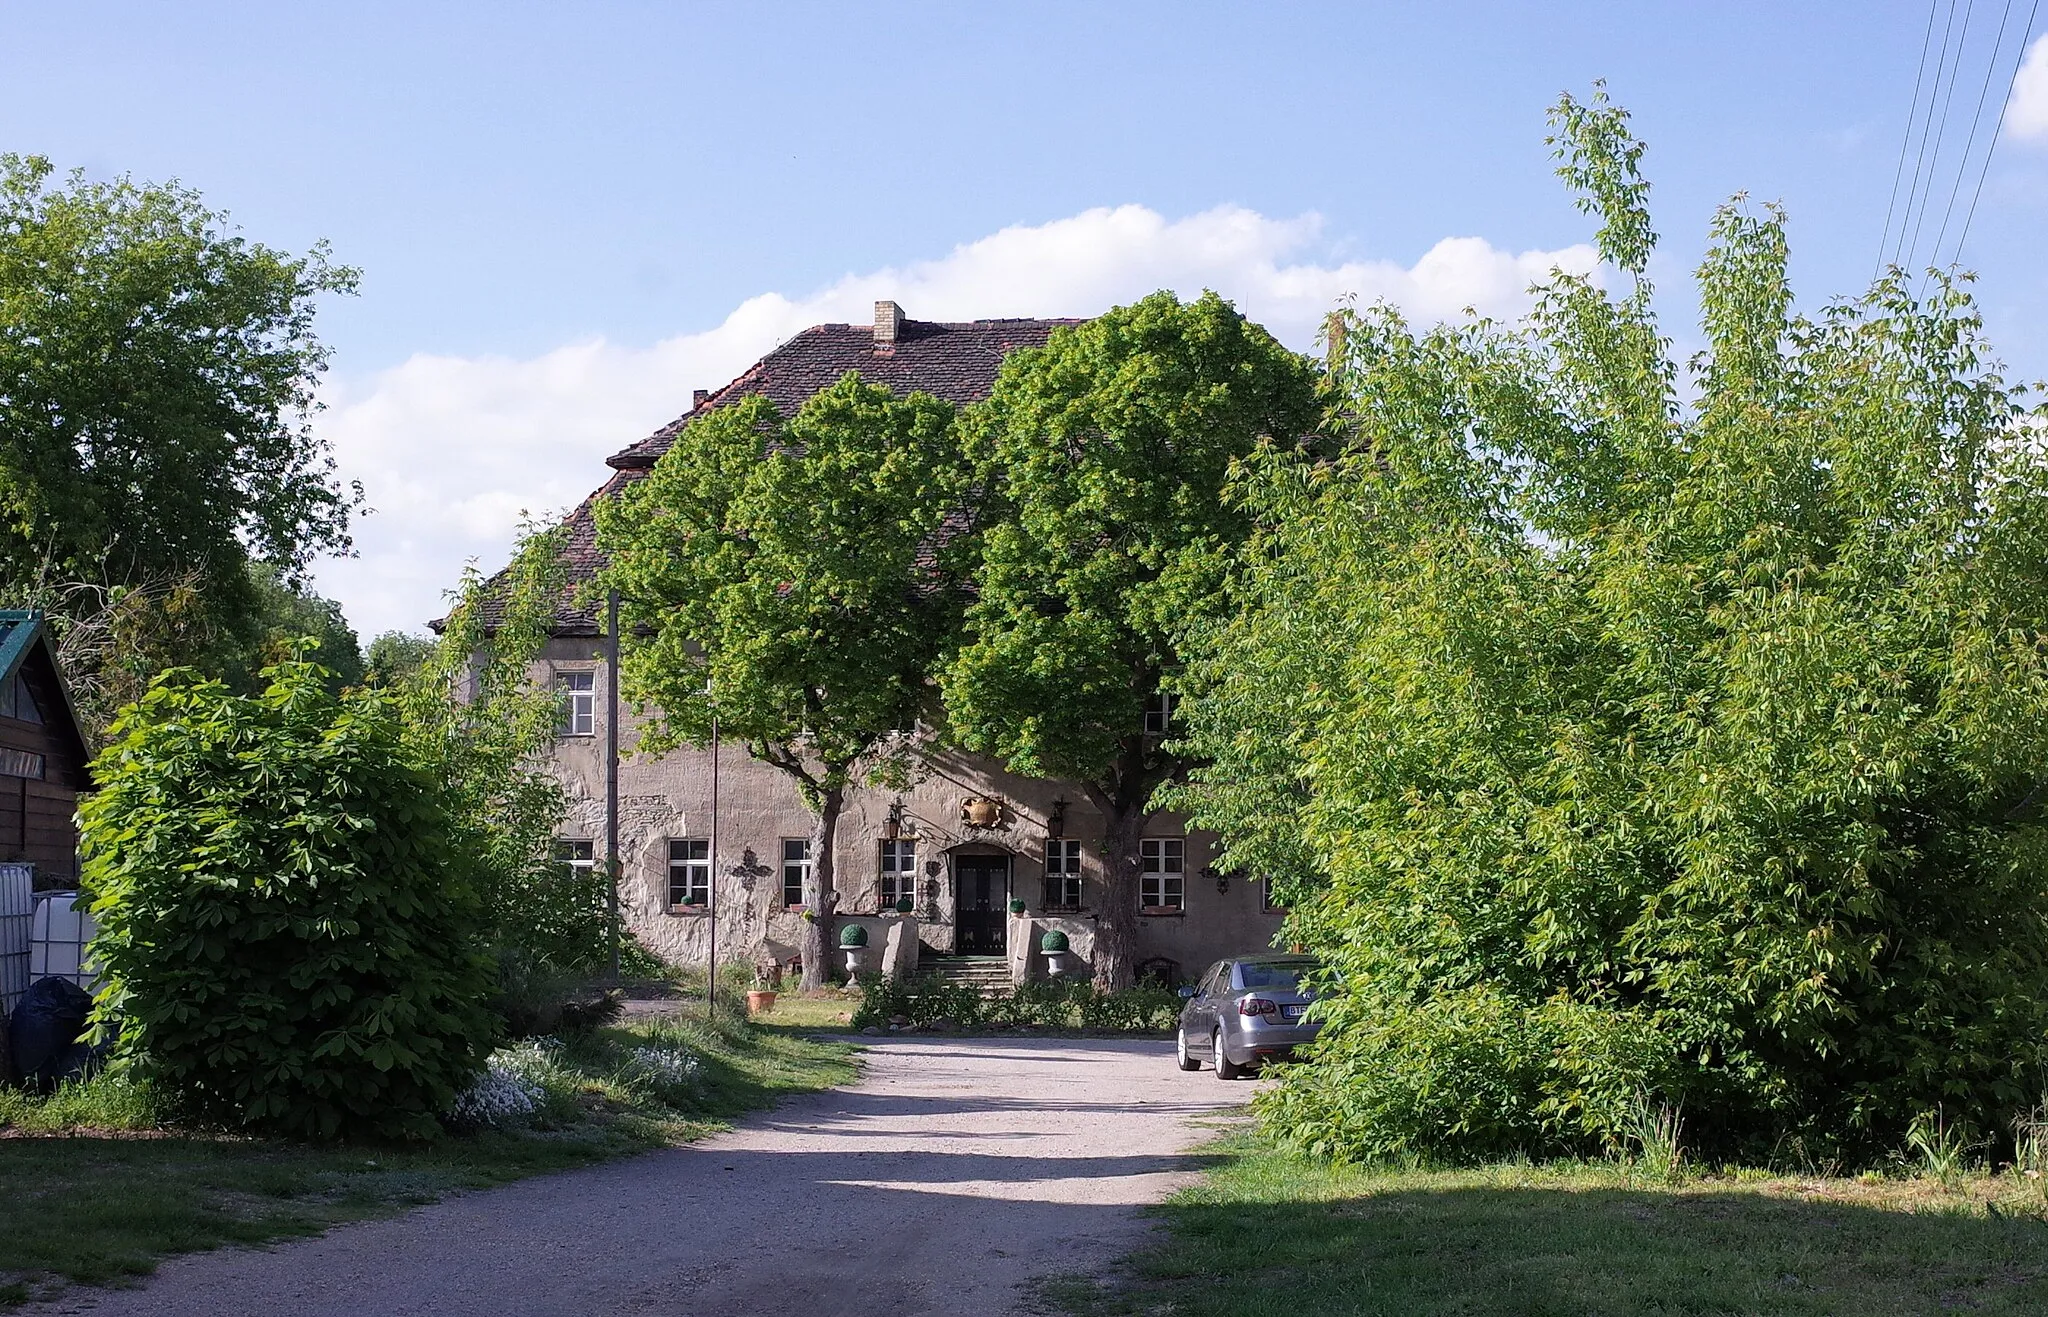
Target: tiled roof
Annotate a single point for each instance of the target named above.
(956, 362)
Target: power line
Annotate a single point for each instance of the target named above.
(1970, 215)
(1905, 142)
(1976, 121)
(1941, 133)
(1900, 255)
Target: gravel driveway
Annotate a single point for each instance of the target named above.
(956, 1170)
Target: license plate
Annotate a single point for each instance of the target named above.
(1291, 1012)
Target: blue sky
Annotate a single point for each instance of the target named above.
(569, 216)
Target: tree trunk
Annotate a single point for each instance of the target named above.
(1116, 929)
(821, 896)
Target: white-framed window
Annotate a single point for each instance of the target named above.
(899, 871)
(577, 856)
(1159, 714)
(1062, 873)
(1162, 879)
(796, 869)
(579, 702)
(689, 872)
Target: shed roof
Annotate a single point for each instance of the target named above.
(25, 640)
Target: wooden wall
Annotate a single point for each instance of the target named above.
(36, 814)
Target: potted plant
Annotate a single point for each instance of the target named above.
(904, 905)
(1054, 947)
(1016, 905)
(761, 997)
(853, 944)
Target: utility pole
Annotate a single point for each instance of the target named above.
(711, 889)
(611, 771)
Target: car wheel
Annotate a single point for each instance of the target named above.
(1181, 1055)
(1225, 1067)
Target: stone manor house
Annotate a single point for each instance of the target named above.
(965, 843)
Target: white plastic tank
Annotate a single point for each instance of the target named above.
(17, 925)
(57, 946)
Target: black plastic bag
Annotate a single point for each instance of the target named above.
(44, 1033)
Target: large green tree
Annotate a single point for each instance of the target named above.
(1102, 536)
(156, 376)
(486, 729)
(789, 579)
(1633, 733)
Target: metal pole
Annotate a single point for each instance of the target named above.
(711, 890)
(611, 772)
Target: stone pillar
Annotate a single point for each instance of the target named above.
(899, 947)
(1023, 946)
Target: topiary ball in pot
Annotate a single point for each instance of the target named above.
(1053, 942)
(853, 935)
(904, 905)
(1016, 906)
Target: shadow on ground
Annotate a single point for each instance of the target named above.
(1585, 1252)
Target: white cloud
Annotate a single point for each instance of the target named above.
(452, 449)
(2026, 114)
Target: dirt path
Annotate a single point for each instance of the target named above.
(957, 1170)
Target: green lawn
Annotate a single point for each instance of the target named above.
(92, 1205)
(1269, 1233)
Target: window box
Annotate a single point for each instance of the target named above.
(689, 875)
(1162, 911)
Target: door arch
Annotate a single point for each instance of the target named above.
(981, 902)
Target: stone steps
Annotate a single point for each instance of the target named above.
(988, 975)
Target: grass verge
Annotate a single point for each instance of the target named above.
(81, 1203)
(1268, 1232)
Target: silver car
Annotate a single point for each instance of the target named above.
(1245, 1011)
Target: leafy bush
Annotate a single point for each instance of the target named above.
(853, 935)
(536, 999)
(1622, 737)
(1040, 1003)
(289, 931)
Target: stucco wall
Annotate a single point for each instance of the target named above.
(758, 807)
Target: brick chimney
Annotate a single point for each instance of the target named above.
(888, 324)
(698, 397)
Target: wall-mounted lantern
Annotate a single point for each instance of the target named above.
(892, 826)
(1222, 877)
(1056, 821)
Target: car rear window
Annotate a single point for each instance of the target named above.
(1283, 977)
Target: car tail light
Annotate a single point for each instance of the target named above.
(1257, 1006)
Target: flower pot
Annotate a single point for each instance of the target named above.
(856, 959)
(760, 1001)
(1056, 963)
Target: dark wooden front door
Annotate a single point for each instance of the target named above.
(981, 893)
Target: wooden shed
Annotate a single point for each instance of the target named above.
(43, 754)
